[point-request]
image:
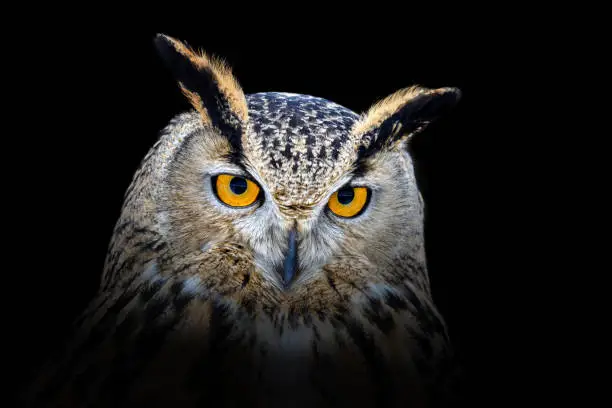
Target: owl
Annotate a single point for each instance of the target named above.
(269, 252)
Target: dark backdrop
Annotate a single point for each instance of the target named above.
(97, 96)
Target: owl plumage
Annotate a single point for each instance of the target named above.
(281, 302)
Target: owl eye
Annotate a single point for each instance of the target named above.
(235, 191)
(349, 201)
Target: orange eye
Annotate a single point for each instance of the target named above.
(348, 201)
(236, 191)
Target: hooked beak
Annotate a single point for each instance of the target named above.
(291, 259)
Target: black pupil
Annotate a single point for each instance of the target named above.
(238, 185)
(346, 195)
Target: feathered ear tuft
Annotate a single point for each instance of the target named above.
(400, 116)
(209, 85)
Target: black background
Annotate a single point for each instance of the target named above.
(95, 95)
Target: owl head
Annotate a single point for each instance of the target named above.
(278, 198)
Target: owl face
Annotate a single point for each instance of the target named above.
(296, 211)
(293, 195)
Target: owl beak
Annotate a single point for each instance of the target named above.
(291, 259)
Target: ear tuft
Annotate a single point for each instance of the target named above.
(209, 85)
(401, 115)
